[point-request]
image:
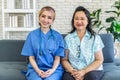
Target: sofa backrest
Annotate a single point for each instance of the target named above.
(10, 50)
(108, 50)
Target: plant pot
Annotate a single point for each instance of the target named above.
(117, 49)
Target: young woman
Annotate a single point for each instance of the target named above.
(84, 57)
(44, 46)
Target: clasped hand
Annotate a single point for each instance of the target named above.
(44, 74)
(78, 74)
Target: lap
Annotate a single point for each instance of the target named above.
(92, 75)
(57, 75)
(67, 76)
(33, 76)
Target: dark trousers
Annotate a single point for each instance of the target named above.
(92, 75)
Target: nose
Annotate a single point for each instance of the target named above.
(79, 21)
(45, 19)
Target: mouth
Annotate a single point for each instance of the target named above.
(79, 25)
(45, 23)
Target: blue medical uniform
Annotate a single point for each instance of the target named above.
(50, 44)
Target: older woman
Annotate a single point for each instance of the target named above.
(84, 57)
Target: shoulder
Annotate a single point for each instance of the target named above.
(56, 33)
(69, 36)
(97, 37)
(34, 32)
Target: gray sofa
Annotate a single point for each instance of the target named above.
(12, 63)
(111, 65)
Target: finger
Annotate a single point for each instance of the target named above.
(74, 72)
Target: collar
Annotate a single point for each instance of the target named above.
(87, 34)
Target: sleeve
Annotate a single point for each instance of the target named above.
(65, 42)
(27, 49)
(60, 50)
(98, 44)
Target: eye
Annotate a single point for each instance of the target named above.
(82, 18)
(76, 18)
(79, 18)
(49, 17)
(43, 16)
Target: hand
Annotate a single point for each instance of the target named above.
(41, 73)
(49, 72)
(78, 75)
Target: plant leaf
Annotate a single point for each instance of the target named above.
(98, 13)
(112, 12)
(118, 7)
(100, 29)
(110, 19)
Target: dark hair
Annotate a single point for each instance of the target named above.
(87, 13)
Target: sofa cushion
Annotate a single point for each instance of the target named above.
(12, 70)
(108, 50)
(112, 70)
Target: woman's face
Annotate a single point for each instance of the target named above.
(80, 21)
(46, 18)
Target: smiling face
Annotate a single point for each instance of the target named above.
(80, 21)
(46, 17)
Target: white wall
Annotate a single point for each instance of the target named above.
(64, 10)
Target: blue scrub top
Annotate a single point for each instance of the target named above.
(50, 44)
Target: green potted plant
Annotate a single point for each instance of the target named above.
(114, 21)
(96, 21)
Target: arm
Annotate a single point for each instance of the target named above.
(97, 62)
(55, 65)
(34, 65)
(66, 63)
(93, 66)
(56, 62)
(98, 45)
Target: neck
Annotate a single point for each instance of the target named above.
(80, 34)
(45, 29)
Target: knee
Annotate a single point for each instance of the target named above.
(67, 76)
(90, 76)
(93, 75)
